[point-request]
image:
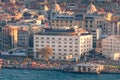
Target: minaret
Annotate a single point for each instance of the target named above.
(91, 2)
(55, 2)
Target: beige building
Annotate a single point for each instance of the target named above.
(65, 43)
(111, 45)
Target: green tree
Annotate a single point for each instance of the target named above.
(46, 52)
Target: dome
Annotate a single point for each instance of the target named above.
(91, 9)
(56, 8)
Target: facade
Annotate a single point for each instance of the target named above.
(64, 43)
(111, 27)
(62, 19)
(88, 68)
(111, 45)
(115, 56)
(9, 38)
(66, 20)
(23, 39)
(14, 36)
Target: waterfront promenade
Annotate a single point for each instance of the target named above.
(29, 63)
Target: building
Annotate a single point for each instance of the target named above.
(111, 27)
(62, 19)
(18, 35)
(115, 56)
(23, 39)
(99, 43)
(9, 38)
(111, 45)
(88, 68)
(65, 43)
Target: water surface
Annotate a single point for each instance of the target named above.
(25, 74)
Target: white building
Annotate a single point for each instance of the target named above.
(65, 43)
(111, 46)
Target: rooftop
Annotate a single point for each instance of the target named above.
(63, 32)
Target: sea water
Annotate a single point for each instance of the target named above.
(26, 74)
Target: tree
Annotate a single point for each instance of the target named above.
(46, 52)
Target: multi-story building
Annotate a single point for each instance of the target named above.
(9, 38)
(14, 36)
(63, 42)
(23, 39)
(111, 45)
(111, 27)
(63, 19)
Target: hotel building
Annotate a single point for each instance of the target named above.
(64, 43)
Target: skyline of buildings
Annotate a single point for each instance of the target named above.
(22, 20)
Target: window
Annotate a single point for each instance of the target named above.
(42, 45)
(59, 42)
(59, 46)
(90, 25)
(90, 21)
(36, 45)
(76, 39)
(53, 38)
(59, 49)
(53, 45)
(65, 42)
(59, 57)
(37, 41)
(65, 49)
(47, 41)
(65, 46)
(76, 43)
(37, 37)
(76, 50)
(47, 38)
(59, 38)
(53, 57)
(76, 46)
(59, 53)
(65, 39)
(42, 37)
(53, 42)
(42, 41)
